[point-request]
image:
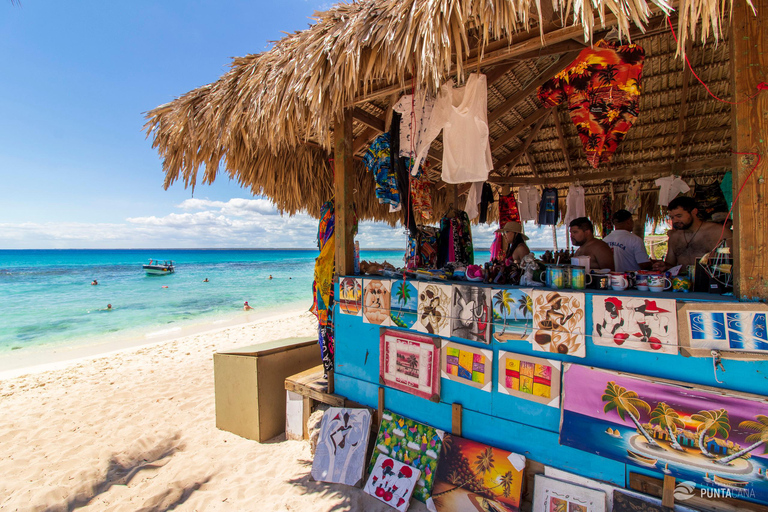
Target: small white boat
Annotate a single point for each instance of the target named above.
(159, 268)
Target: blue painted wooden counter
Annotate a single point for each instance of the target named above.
(520, 425)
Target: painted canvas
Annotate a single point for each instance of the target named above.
(530, 378)
(341, 446)
(467, 365)
(558, 322)
(434, 309)
(376, 301)
(635, 323)
(409, 362)
(512, 313)
(712, 437)
(392, 482)
(351, 296)
(550, 495)
(405, 300)
(471, 313)
(475, 476)
(415, 444)
(729, 327)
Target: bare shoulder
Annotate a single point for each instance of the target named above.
(674, 235)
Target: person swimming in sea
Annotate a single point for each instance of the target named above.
(109, 307)
(270, 276)
(94, 282)
(246, 307)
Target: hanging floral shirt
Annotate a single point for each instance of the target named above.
(602, 89)
(378, 160)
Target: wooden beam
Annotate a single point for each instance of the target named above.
(563, 143)
(344, 175)
(676, 167)
(749, 35)
(456, 419)
(497, 72)
(683, 101)
(364, 139)
(531, 87)
(668, 492)
(513, 157)
(531, 164)
(522, 125)
(380, 409)
(368, 119)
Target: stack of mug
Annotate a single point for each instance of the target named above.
(575, 277)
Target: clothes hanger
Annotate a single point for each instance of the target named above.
(612, 35)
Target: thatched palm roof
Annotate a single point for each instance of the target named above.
(269, 119)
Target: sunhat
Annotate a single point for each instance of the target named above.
(513, 227)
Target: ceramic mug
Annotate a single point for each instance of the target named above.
(601, 281)
(554, 277)
(579, 278)
(658, 283)
(619, 281)
(641, 281)
(681, 284)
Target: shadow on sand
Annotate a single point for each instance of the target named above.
(173, 497)
(120, 471)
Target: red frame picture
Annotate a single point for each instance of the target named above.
(410, 362)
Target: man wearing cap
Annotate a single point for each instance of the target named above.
(629, 252)
(583, 236)
(515, 240)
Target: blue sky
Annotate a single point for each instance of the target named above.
(75, 168)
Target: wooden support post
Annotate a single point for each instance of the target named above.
(749, 126)
(330, 382)
(344, 175)
(306, 412)
(380, 410)
(456, 420)
(455, 196)
(668, 492)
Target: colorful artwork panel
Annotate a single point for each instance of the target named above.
(558, 322)
(635, 323)
(376, 301)
(392, 482)
(471, 313)
(351, 296)
(530, 378)
(434, 309)
(475, 476)
(413, 443)
(341, 446)
(708, 436)
(512, 313)
(405, 299)
(409, 362)
(741, 328)
(467, 365)
(552, 495)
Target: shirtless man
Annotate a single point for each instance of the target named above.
(599, 252)
(691, 237)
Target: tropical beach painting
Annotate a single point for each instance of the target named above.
(471, 313)
(512, 314)
(714, 438)
(409, 362)
(467, 365)
(351, 296)
(413, 443)
(434, 309)
(722, 326)
(635, 323)
(558, 322)
(529, 378)
(376, 301)
(404, 304)
(475, 476)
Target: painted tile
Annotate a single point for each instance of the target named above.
(434, 309)
(405, 300)
(635, 323)
(471, 313)
(730, 327)
(552, 495)
(409, 362)
(529, 378)
(558, 322)
(392, 482)
(467, 365)
(351, 296)
(512, 313)
(341, 446)
(376, 301)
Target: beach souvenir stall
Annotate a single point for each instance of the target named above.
(553, 397)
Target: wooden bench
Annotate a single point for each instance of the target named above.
(313, 388)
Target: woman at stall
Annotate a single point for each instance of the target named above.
(514, 239)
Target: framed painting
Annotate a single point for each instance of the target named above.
(376, 301)
(467, 365)
(409, 362)
(739, 330)
(558, 322)
(475, 476)
(471, 313)
(351, 296)
(392, 482)
(709, 437)
(635, 323)
(512, 313)
(550, 495)
(529, 378)
(341, 446)
(434, 309)
(414, 443)
(404, 303)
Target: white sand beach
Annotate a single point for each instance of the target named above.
(135, 430)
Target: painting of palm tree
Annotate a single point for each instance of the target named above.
(667, 418)
(712, 424)
(503, 301)
(760, 437)
(404, 306)
(512, 312)
(627, 403)
(526, 307)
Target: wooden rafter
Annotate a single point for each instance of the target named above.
(513, 157)
(363, 139)
(531, 164)
(563, 143)
(368, 119)
(522, 125)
